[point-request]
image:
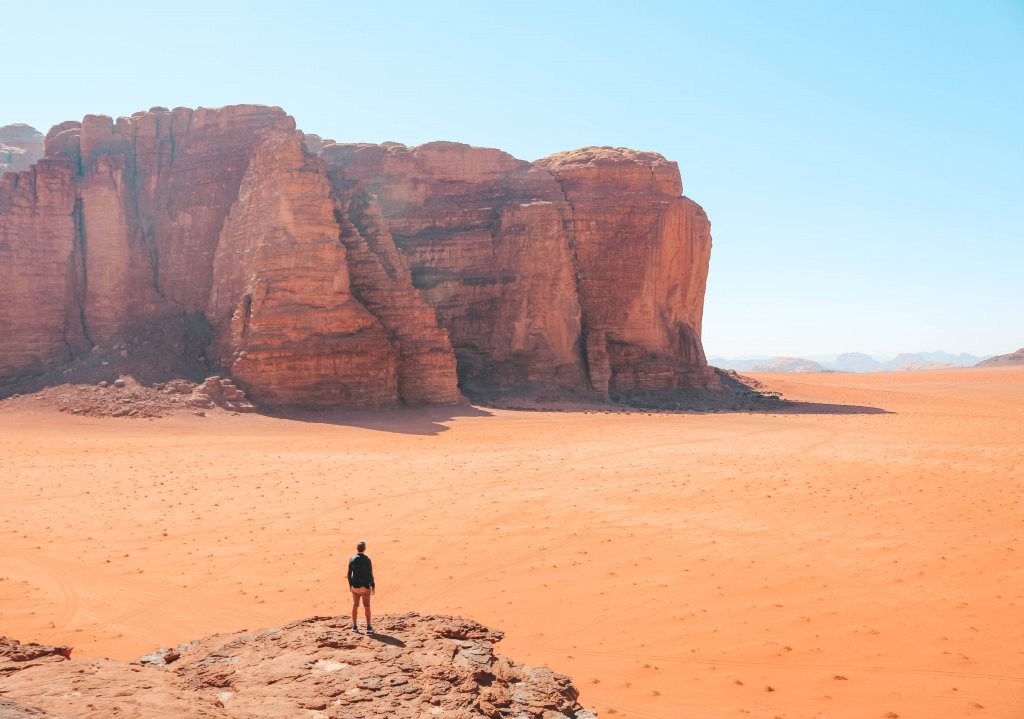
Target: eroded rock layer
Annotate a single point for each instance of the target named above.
(414, 666)
(340, 275)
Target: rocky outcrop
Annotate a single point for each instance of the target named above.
(213, 392)
(1013, 358)
(285, 321)
(917, 361)
(40, 268)
(381, 280)
(117, 227)
(487, 245)
(20, 147)
(304, 307)
(415, 666)
(581, 274)
(320, 274)
(642, 254)
(788, 364)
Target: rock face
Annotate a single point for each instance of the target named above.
(580, 274)
(1003, 360)
(117, 227)
(413, 667)
(320, 274)
(20, 146)
(286, 323)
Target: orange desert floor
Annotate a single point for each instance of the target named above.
(675, 565)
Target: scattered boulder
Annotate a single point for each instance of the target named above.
(179, 386)
(220, 392)
(125, 397)
(15, 656)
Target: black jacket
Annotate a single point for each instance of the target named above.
(360, 571)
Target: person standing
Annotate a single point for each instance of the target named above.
(360, 583)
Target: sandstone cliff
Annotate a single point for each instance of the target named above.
(340, 275)
(20, 146)
(580, 274)
(415, 666)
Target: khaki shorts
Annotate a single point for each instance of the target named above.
(363, 592)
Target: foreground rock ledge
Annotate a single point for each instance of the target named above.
(414, 666)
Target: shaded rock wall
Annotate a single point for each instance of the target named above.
(355, 275)
(381, 280)
(40, 267)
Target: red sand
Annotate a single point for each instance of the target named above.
(719, 565)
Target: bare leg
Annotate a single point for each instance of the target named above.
(366, 610)
(355, 609)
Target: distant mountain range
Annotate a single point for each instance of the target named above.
(1003, 360)
(859, 362)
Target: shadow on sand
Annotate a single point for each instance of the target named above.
(761, 405)
(429, 421)
(788, 406)
(406, 420)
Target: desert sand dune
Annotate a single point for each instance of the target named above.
(676, 565)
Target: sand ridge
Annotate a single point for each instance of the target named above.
(712, 565)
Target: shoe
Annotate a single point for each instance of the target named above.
(355, 627)
(368, 629)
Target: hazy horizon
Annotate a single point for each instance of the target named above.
(822, 356)
(860, 164)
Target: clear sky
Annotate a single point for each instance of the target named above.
(862, 163)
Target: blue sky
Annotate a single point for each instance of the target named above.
(862, 163)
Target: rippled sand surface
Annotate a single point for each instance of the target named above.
(817, 564)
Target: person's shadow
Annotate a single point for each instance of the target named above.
(386, 639)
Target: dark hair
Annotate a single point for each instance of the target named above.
(361, 546)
